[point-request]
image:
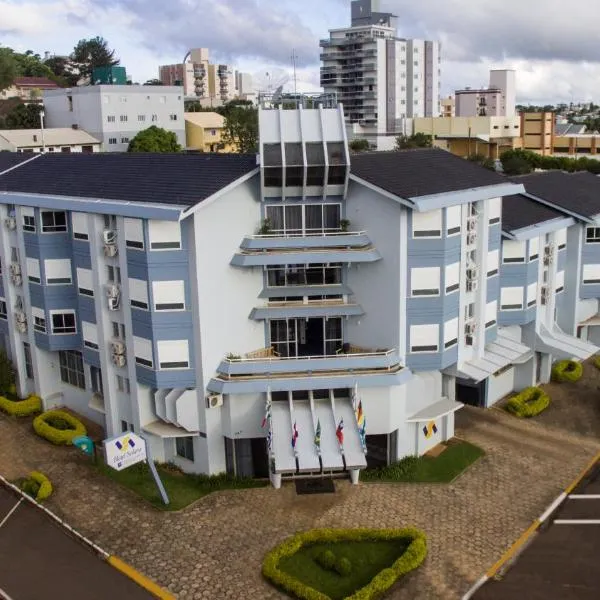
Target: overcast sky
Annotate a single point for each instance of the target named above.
(553, 45)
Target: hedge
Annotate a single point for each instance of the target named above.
(21, 408)
(567, 370)
(597, 362)
(528, 403)
(58, 436)
(37, 485)
(412, 558)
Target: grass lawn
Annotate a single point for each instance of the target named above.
(182, 489)
(367, 559)
(427, 469)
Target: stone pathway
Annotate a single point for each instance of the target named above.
(214, 548)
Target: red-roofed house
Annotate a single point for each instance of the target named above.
(29, 89)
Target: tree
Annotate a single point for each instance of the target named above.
(23, 116)
(154, 139)
(515, 165)
(92, 53)
(359, 145)
(241, 128)
(63, 69)
(418, 140)
(8, 68)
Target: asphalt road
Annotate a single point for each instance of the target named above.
(563, 560)
(40, 559)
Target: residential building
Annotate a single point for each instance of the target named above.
(538, 132)
(244, 88)
(381, 79)
(498, 100)
(187, 302)
(204, 132)
(48, 140)
(447, 107)
(114, 114)
(29, 89)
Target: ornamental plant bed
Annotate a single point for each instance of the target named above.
(333, 564)
(528, 403)
(18, 407)
(58, 427)
(37, 485)
(567, 370)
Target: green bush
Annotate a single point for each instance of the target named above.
(44, 427)
(7, 373)
(402, 470)
(37, 486)
(597, 362)
(412, 558)
(21, 408)
(326, 560)
(567, 370)
(343, 566)
(528, 403)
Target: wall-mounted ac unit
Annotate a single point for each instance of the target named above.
(472, 273)
(20, 316)
(109, 236)
(471, 238)
(11, 223)
(548, 255)
(113, 290)
(16, 279)
(111, 250)
(15, 268)
(119, 360)
(214, 401)
(118, 347)
(470, 328)
(471, 223)
(21, 326)
(114, 303)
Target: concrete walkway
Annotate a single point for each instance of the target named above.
(214, 548)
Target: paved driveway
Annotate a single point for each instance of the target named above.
(214, 548)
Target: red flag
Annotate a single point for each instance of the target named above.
(339, 432)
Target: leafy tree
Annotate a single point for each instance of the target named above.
(23, 116)
(8, 68)
(241, 127)
(154, 139)
(92, 53)
(359, 145)
(418, 140)
(63, 69)
(31, 65)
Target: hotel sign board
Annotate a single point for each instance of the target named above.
(124, 451)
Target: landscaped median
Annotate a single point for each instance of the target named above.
(351, 564)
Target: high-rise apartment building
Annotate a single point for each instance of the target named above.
(381, 79)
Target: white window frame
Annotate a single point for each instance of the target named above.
(138, 294)
(79, 226)
(491, 314)
(164, 246)
(161, 290)
(52, 263)
(85, 278)
(493, 263)
(431, 285)
(140, 350)
(450, 334)
(534, 249)
(453, 220)
(49, 229)
(424, 331)
(28, 216)
(134, 233)
(510, 304)
(592, 235)
(429, 223)
(452, 278)
(513, 252)
(593, 274)
(532, 290)
(39, 319)
(561, 239)
(495, 211)
(90, 335)
(166, 346)
(559, 282)
(63, 312)
(3, 309)
(33, 270)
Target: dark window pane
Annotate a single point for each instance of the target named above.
(337, 176)
(273, 177)
(332, 216)
(294, 176)
(293, 154)
(336, 153)
(272, 155)
(314, 216)
(315, 176)
(315, 154)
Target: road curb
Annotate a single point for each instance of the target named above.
(139, 578)
(525, 537)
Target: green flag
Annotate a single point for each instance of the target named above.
(318, 434)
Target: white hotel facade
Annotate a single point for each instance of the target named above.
(182, 293)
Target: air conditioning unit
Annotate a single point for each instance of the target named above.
(471, 238)
(214, 401)
(110, 250)
(21, 326)
(470, 328)
(548, 255)
(118, 347)
(114, 303)
(11, 223)
(20, 316)
(15, 268)
(113, 290)
(544, 295)
(472, 273)
(472, 285)
(16, 279)
(119, 360)
(109, 236)
(471, 223)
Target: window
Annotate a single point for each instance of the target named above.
(513, 252)
(3, 309)
(534, 249)
(173, 354)
(301, 219)
(560, 282)
(71, 368)
(141, 118)
(39, 319)
(424, 338)
(168, 295)
(493, 263)
(118, 330)
(63, 322)
(532, 294)
(124, 426)
(591, 274)
(511, 298)
(28, 219)
(123, 118)
(138, 293)
(143, 352)
(124, 140)
(452, 278)
(491, 310)
(304, 275)
(172, 117)
(592, 235)
(453, 218)
(495, 210)
(427, 224)
(111, 118)
(154, 118)
(561, 239)
(134, 233)
(450, 333)
(79, 226)
(123, 384)
(84, 282)
(425, 281)
(184, 446)
(96, 379)
(164, 235)
(28, 361)
(123, 98)
(33, 270)
(54, 221)
(90, 335)
(58, 271)
(113, 274)
(112, 140)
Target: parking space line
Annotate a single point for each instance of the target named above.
(577, 522)
(12, 510)
(584, 497)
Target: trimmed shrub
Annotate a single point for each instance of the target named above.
(412, 558)
(58, 427)
(21, 408)
(567, 370)
(343, 566)
(37, 486)
(597, 362)
(528, 403)
(326, 560)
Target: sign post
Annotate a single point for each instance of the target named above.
(129, 449)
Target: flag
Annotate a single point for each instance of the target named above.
(360, 417)
(354, 395)
(339, 432)
(267, 416)
(270, 440)
(294, 435)
(318, 434)
(363, 435)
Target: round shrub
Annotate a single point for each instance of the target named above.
(326, 560)
(38, 486)
(21, 408)
(343, 566)
(567, 370)
(528, 403)
(58, 427)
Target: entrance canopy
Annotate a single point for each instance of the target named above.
(435, 411)
(562, 345)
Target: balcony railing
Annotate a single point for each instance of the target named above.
(319, 233)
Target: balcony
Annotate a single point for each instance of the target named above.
(307, 308)
(319, 239)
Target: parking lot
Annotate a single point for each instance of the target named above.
(562, 561)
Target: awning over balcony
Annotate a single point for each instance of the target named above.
(562, 345)
(435, 411)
